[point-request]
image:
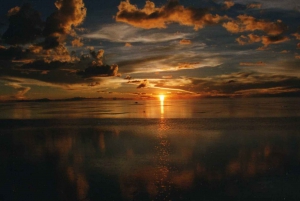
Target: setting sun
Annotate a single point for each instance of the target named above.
(161, 97)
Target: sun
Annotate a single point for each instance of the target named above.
(161, 97)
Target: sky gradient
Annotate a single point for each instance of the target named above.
(140, 49)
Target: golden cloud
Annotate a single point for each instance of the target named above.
(151, 17)
(248, 23)
(185, 42)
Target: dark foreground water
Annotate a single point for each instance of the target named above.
(185, 150)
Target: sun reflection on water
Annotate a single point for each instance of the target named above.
(162, 179)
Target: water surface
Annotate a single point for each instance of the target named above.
(219, 149)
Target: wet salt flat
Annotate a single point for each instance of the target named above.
(220, 149)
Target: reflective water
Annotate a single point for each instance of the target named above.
(235, 155)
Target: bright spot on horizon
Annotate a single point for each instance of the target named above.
(161, 98)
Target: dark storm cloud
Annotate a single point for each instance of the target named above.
(158, 17)
(25, 25)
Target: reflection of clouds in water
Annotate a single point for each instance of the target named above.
(155, 158)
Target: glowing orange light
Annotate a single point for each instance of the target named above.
(161, 98)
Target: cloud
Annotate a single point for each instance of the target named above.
(298, 45)
(297, 35)
(21, 90)
(254, 5)
(41, 65)
(143, 84)
(249, 39)
(13, 11)
(124, 33)
(185, 42)
(248, 23)
(77, 42)
(61, 23)
(128, 45)
(267, 4)
(228, 4)
(99, 71)
(297, 56)
(265, 40)
(25, 25)
(259, 63)
(186, 65)
(13, 53)
(159, 17)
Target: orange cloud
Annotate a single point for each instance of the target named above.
(298, 45)
(128, 45)
(267, 40)
(250, 38)
(185, 42)
(13, 11)
(159, 17)
(297, 57)
(248, 23)
(228, 4)
(297, 35)
(69, 15)
(77, 42)
(186, 65)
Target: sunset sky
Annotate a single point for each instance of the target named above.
(140, 49)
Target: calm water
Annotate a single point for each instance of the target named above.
(212, 149)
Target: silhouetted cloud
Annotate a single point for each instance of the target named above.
(158, 17)
(25, 25)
